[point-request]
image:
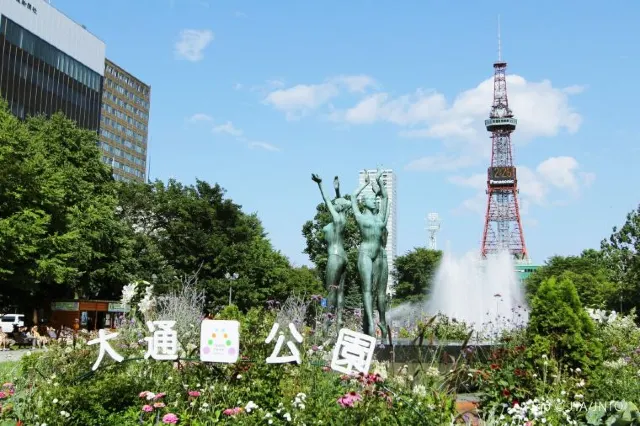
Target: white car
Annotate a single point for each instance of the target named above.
(7, 321)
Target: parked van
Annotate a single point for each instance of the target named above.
(7, 321)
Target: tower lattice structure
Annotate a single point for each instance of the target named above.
(502, 226)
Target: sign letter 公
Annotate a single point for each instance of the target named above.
(219, 341)
(274, 358)
(353, 352)
(105, 347)
(163, 345)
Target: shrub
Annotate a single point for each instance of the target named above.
(560, 327)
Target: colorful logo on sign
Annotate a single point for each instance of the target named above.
(219, 341)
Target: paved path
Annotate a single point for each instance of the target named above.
(12, 355)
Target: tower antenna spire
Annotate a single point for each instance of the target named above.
(499, 42)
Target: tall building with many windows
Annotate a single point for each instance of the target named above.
(389, 180)
(49, 63)
(124, 123)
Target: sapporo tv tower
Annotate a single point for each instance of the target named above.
(502, 226)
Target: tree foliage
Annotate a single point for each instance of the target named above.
(316, 248)
(588, 272)
(59, 233)
(622, 254)
(182, 229)
(560, 326)
(414, 273)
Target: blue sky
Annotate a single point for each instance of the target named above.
(257, 95)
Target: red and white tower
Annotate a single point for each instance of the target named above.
(502, 226)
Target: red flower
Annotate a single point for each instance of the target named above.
(505, 392)
(495, 367)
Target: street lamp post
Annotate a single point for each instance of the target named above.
(231, 278)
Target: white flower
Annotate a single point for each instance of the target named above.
(65, 414)
(55, 400)
(287, 416)
(581, 383)
(379, 368)
(250, 406)
(420, 390)
(239, 376)
(150, 396)
(128, 293)
(432, 372)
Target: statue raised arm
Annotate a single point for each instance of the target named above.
(370, 254)
(336, 255)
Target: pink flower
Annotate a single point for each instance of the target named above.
(232, 411)
(7, 385)
(3, 395)
(160, 395)
(147, 408)
(143, 394)
(194, 394)
(170, 418)
(159, 405)
(349, 399)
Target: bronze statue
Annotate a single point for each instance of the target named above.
(372, 259)
(336, 255)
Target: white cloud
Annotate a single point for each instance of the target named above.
(355, 83)
(301, 99)
(199, 117)
(439, 162)
(228, 128)
(238, 134)
(562, 173)
(263, 145)
(555, 175)
(541, 109)
(191, 44)
(239, 14)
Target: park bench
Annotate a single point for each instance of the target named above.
(22, 340)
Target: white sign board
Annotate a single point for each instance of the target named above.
(219, 341)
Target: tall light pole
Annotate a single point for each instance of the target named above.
(231, 278)
(433, 226)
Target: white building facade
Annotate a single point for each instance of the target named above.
(389, 180)
(57, 29)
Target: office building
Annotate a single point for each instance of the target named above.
(49, 63)
(389, 181)
(124, 123)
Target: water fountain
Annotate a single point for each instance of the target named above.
(486, 294)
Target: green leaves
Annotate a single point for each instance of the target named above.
(414, 274)
(59, 235)
(182, 229)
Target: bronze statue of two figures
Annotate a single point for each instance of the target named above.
(372, 258)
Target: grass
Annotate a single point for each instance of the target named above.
(8, 370)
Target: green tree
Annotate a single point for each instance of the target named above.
(589, 273)
(59, 233)
(184, 229)
(560, 326)
(414, 273)
(622, 254)
(316, 248)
